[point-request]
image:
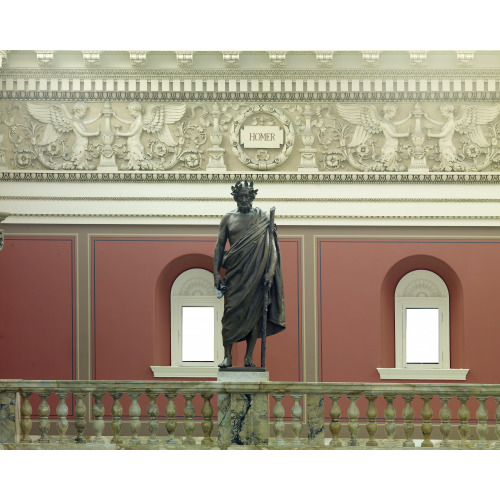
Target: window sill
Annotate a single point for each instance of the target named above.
(185, 371)
(423, 374)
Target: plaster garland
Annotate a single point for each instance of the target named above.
(350, 136)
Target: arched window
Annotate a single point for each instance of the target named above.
(195, 334)
(422, 330)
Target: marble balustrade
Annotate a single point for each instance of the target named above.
(301, 415)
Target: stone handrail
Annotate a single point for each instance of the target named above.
(428, 415)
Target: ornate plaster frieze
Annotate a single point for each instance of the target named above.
(412, 138)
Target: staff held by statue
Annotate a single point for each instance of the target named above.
(268, 285)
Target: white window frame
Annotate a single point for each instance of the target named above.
(422, 289)
(192, 288)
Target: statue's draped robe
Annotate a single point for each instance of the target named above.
(245, 263)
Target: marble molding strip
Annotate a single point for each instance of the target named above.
(273, 200)
(268, 177)
(302, 216)
(382, 389)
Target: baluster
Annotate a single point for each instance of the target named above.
(445, 427)
(426, 415)
(463, 426)
(297, 419)
(44, 411)
(371, 426)
(315, 414)
(497, 426)
(390, 426)
(80, 422)
(116, 412)
(279, 425)
(134, 412)
(98, 412)
(171, 413)
(153, 413)
(353, 425)
(335, 423)
(408, 426)
(62, 413)
(207, 425)
(188, 420)
(26, 422)
(482, 426)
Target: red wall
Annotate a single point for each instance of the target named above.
(131, 281)
(37, 308)
(356, 283)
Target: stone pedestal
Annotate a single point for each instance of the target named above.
(243, 418)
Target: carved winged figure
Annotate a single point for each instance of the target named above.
(468, 122)
(368, 122)
(156, 123)
(59, 121)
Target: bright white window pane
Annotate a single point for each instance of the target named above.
(422, 335)
(198, 334)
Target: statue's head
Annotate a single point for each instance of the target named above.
(447, 109)
(135, 108)
(244, 194)
(79, 109)
(390, 109)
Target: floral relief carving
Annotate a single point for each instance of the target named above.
(55, 136)
(371, 142)
(259, 116)
(369, 137)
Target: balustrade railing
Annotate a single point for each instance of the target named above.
(185, 414)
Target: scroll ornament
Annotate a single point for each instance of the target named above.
(377, 144)
(52, 136)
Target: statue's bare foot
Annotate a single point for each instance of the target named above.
(226, 363)
(248, 361)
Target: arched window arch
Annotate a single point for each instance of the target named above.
(195, 335)
(422, 329)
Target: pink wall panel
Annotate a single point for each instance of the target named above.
(37, 308)
(131, 281)
(356, 325)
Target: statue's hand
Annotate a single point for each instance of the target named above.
(268, 279)
(217, 280)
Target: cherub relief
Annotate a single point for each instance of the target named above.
(369, 122)
(468, 122)
(156, 123)
(59, 120)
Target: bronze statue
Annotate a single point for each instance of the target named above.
(253, 284)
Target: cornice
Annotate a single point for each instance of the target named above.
(186, 199)
(302, 216)
(267, 178)
(238, 73)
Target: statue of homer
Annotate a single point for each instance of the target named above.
(253, 273)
